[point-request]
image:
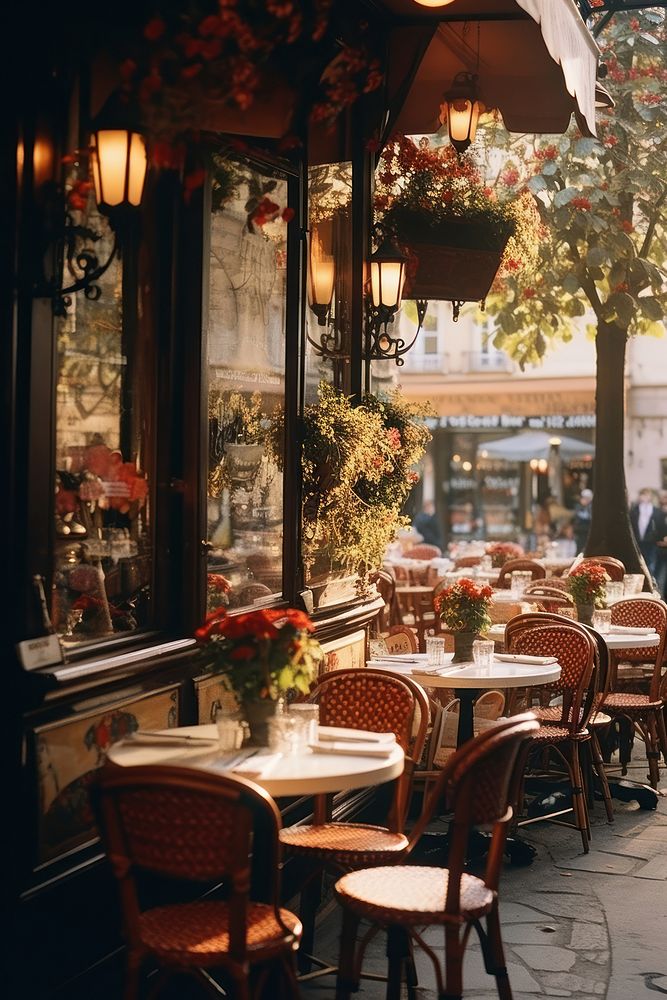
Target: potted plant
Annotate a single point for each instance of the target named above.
(266, 655)
(236, 439)
(464, 609)
(587, 584)
(358, 468)
(502, 552)
(454, 228)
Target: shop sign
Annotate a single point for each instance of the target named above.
(504, 421)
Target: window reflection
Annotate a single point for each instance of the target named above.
(246, 385)
(102, 568)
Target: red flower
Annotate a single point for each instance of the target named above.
(287, 214)
(582, 203)
(155, 29)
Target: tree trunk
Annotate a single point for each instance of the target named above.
(611, 532)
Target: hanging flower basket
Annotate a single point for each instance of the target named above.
(451, 272)
(458, 234)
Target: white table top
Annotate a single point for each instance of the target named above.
(613, 640)
(500, 674)
(303, 774)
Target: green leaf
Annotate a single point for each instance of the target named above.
(565, 196)
(537, 183)
(596, 256)
(584, 147)
(651, 307)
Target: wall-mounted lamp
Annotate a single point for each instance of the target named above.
(321, 289)
(387, 277)
(461, 109)
(434, 3)
(119, 165)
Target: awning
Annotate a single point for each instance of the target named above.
(535, 444)
(535, 59)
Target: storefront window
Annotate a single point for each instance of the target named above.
(245, 335)
(102, 553)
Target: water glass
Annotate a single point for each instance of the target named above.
(613, 591)
(482, 653)
(286, 734)
(435, 651)
(520, 580)
(230, 728)
(308, 717)
(633, 583)
(601, 620)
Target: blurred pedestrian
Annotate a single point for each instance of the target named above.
(649, 527)
(581, 522)
(428, 525)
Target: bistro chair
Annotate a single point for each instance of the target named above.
(385, 585)
(186, 825)
(536, 568)
(401, 639)
(467, 562)
(377, 701)
(550, 598)
(643, 710)
(551, 714)
(479, 783)
(575, 650)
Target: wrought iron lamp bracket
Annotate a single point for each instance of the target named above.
(330, 343)
(76, 260)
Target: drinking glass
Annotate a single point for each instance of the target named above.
(435, 651)
(520, 580)
(601, 620)
(308, 716)
(230, 727)
(285, 733)
(482, 652)
(633, 583)
(613, 591)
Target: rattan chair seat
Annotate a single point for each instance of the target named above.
(626, 701)
(356, 843)
(442, 755)
(553, 714)
(553, 734)
(200, 930)
(412, 895)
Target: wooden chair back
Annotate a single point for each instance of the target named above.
(576, 651)
(467, 562)
(536, 568)
(385, 585)
(186, 825)
(381, 702)
(642, 612)
(401, 639)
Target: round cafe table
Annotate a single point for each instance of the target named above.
(303, 774)
(612, 640)
(468, 680)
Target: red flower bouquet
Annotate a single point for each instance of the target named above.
(501, 552)
(265, 654)
(587, 584)
(464, 607)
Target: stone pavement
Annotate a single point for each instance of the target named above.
(574, 925)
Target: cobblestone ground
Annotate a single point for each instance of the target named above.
(574, 925)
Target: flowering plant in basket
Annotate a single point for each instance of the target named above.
(501, 552)
(587, 584)
(265, 654)
(464, 607)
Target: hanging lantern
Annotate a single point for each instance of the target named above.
(118, 157)
(434, 3)
(387, 278)
(461, 110)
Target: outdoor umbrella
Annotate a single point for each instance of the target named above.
(535, 444)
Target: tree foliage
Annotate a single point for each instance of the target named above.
(604, 202)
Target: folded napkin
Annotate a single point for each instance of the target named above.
(399, 658)
(147, 738)
(630, 630)
(327, 734)
(444, 671)
(353, 749)
(525, 658)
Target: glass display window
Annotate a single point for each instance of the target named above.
(245, 334)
